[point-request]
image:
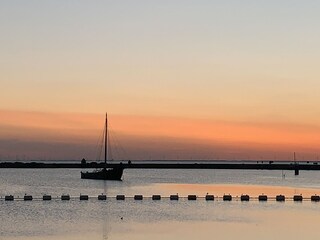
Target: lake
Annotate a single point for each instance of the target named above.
(164, 219)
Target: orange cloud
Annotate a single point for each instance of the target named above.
(147, 136)
(220, 131)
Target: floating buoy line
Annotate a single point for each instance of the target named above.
(174, 197)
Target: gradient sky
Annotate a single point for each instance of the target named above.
(180, 79)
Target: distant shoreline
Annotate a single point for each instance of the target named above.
(265, 165)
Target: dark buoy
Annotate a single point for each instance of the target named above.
(156, 197)
(209, 197)
(263, 198)
(227, 197)
(297, 198)
(27, 198)
(102, 197)
(138, 197)
(84, 197)
(192, 197)
(120, 197)
(315, 198)
(46, 197)
(280, 198)
(9, 198)
(174, 197)
(65, 197)
(245, 198)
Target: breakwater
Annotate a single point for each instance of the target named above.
(295, 166)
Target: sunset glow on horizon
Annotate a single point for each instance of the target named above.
(179, 79)
(146, 137)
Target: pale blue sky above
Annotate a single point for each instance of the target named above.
(229, 58)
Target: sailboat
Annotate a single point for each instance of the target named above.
(114, 173)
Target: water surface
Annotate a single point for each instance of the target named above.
(163, 219)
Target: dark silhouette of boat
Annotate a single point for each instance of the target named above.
(114, 173)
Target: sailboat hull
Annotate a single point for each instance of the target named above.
(104, 174)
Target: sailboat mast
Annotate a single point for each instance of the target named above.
(106, 142)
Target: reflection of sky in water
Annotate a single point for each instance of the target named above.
(235, 190)
(142, 220)
(163, 219)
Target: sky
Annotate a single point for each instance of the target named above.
(179, 79)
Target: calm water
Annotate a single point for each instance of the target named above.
(163, 219)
